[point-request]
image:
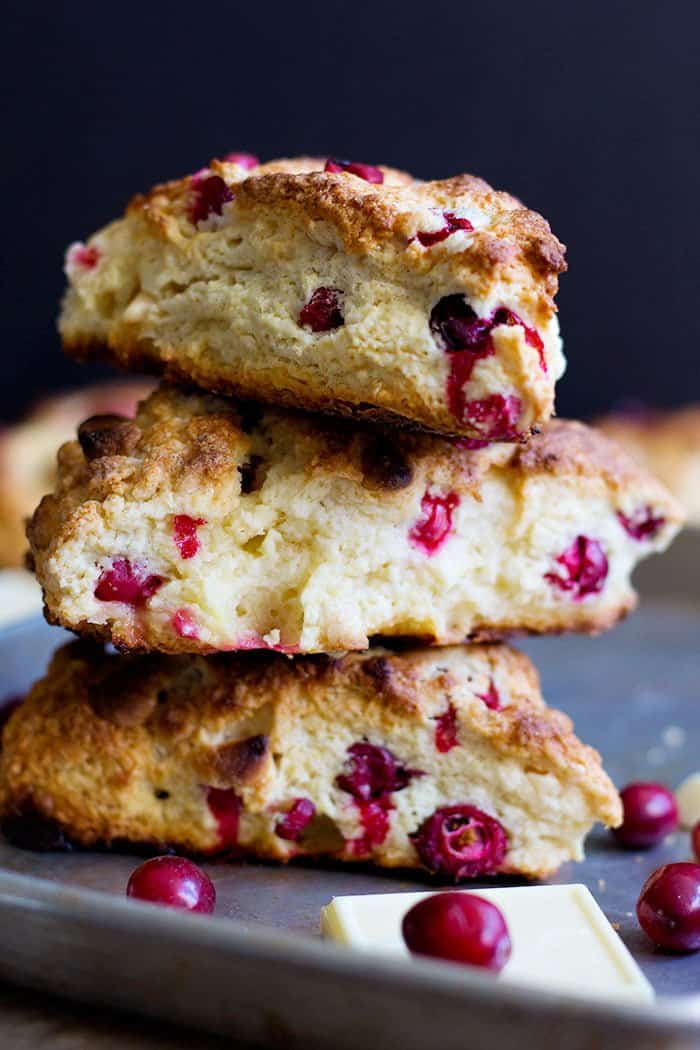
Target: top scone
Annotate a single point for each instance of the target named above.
(331, 286)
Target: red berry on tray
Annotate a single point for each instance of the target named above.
(649, 814)
(174, 882)
(461, 927)
(668, 908)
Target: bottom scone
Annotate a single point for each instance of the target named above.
(443, 759)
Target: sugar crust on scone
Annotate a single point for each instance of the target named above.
(209, 525)
(667, 443)
(219, 301)
(28, 453)
(212, 754)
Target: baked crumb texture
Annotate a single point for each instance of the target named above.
(667, 443)
(207, 525)
(447, 760)
(428, 303)
(28, 453)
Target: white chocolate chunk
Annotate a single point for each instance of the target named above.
(688, 799)
(561, 939)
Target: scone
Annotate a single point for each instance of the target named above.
(447, 760)
(334, 287)
(206, 525)
(28, 453)
(668, 444)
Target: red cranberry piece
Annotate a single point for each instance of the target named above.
(363, 171)
(209, 196)
(225, 806)
(532, 336)
(434, 526)
(256, 641)
(291, 826)
(243, 160)
(184, 624)
(374, 818)
(460, 927)
(491, 697)
(461, 841)
(83, 256)
(584, 569)
(124, 582)
(323, 312)
(649, 814)
(446, 730)
(495, 417)
(175, 882)
(643, 524)
(456, 326)
(372, 772)
(185, 534)
(452, 223)
(668, 908)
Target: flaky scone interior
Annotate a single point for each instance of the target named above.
(346, 289)
(446, 760)
(209, 525)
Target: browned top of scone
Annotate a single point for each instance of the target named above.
(118, 706)
(183, 440)
(371, 217)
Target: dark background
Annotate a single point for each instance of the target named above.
(589, 112)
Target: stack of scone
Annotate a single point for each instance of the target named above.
(357, 480)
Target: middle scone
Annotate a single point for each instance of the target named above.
(208, 525)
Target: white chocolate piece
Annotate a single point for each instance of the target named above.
(561, 939)
(688, 800)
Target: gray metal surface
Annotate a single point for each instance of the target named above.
(633, 693)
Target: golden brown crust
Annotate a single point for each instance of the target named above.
(218, 301)
(133, 767)
(242, 467)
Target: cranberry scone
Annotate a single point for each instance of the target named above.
(331, 286)
(208, 525)
(668, 444)
(443, 759)
(28, 453)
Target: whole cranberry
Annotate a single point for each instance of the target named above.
(649, 814)
(460, 927)
(175, 882)
(668, 908)
(461, 841)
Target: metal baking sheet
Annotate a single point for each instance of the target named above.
(258, 969)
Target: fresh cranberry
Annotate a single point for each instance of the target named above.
(456, 326)
(185, 534)
(491, 697)
(668, 908)
(291, 826)
(434, 526)
(372, 772)
(323, 312)
(643, 524)
(364, 171)
(83, 256)
(649, 814)
(209, 196)
(225, 806)
(460, 927)
(452, 223)
(532, 336)
(243, 160)
(695, 840)
(184, 624)
(175, 882)
(585, 568)
(495, 417)
(461, 841)
(124, 582)
(446, 730)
